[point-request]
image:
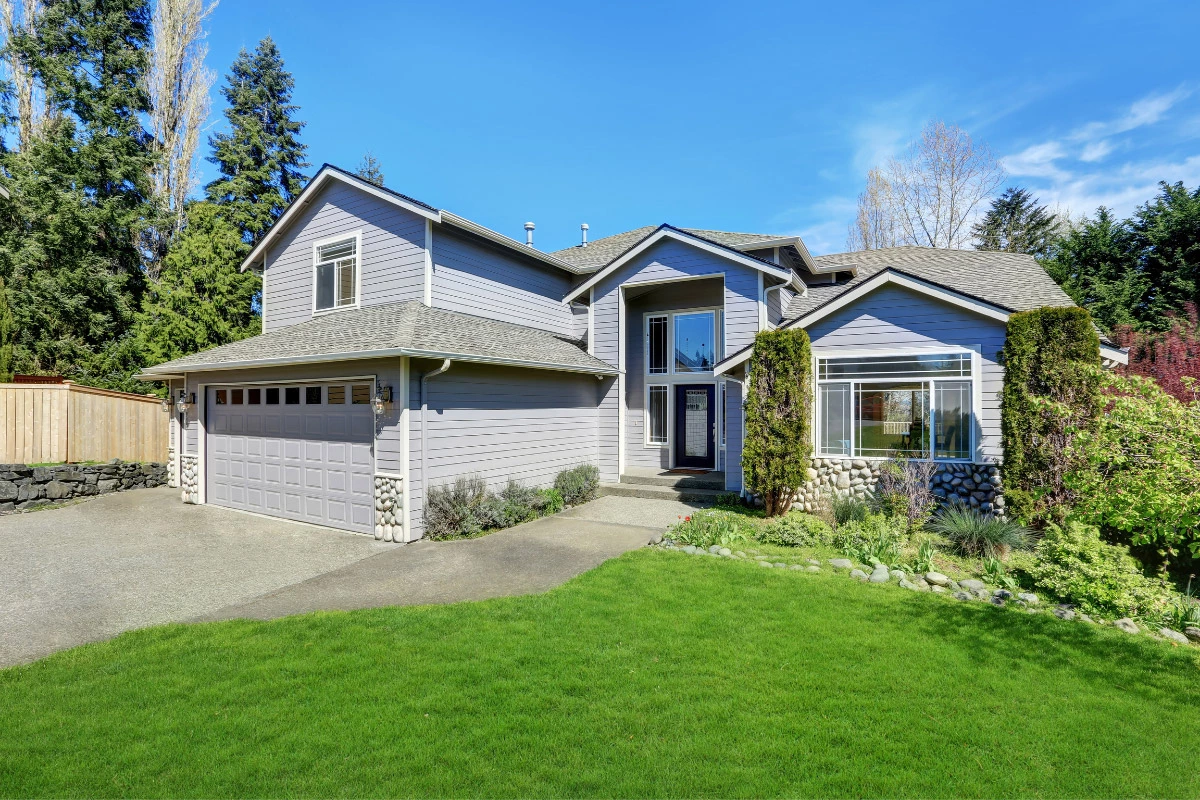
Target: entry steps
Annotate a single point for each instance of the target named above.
(657, 484)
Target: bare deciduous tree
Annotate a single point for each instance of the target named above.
(178, 84)
(16, 18)
(930, 195)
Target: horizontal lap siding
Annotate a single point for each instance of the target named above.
(501, 423)
(893, 317)
(392, 262)
(668, 260)
(476, 279)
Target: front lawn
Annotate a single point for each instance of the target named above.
(657, 674)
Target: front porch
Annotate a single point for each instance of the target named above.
(653, 483)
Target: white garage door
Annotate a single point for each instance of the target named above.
(302, 452)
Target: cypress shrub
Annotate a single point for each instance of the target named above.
(1051, 359)
(778, 414)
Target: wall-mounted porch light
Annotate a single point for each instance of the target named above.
(184, 401)
(166, 404)
(383, 399)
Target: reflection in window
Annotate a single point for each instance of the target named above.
(220, 397)
(695, 339)
(834, 403)
(658, 415)
(336, 395)
(952, 419)
(892, 419)
(360, 394)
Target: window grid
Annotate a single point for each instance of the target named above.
(657, 411)
(942, 399)
(336, 274)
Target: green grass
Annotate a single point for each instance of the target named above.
(657, 674)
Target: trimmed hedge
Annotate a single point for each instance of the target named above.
(779, 404)
(1048, 355)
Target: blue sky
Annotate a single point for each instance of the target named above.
(759, 117)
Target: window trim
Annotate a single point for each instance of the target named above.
(975, 381)
(670, 314)
(358, 271)
(666, 444)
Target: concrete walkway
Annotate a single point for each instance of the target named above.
(92, 570)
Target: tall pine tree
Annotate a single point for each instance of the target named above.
(1096, 263)
(260, 159)
(1016, 223)
(79, 188)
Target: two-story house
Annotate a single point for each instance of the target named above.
(404, 345)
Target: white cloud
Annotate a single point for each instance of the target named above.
(1121, 189)
(1037, 161)
(1096, 151)
(1146, 111)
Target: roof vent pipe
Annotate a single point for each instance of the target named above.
(529, 226)
(584, 228)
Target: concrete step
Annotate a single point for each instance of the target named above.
(708, 480)
(683, 494)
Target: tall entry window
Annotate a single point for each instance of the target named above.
(906, 406)
(682, 342)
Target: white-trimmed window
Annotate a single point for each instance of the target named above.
(682, 342)
(910, 405)
(336, 273)
(656, 415)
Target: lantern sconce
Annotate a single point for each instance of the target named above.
(383, 399)
(185, 400)
(166, 404)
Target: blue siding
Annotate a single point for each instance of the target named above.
(500, 423)
(482, 280)
(392, 263)
(892, 317)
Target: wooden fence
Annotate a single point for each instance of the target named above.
(50, 423)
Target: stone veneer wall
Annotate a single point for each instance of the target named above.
(389, 503)
(23, 487)
(977, 485)
(172, 481)
(189, 477)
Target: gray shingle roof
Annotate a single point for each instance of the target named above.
(600, 252)
(1010, 280)
(410, 327)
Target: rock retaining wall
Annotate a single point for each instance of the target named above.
(23, 487)
(977, 485)
(189, 478)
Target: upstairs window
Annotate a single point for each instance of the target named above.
(682, 342)
(336, 274)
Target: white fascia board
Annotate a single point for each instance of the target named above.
(392, 352)
(908, 282)
(512, 244)
(669, 233)
(319, 180)
(741, 357)
(165, 376)
(1114, 354)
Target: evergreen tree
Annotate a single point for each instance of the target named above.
(1166, 237)
(1097, 264)
(6, 336)
(201, 299)
(1015, 223)
(68, 237)
(260, 159)
(370, 170)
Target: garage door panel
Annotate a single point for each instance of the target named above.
(306, 462)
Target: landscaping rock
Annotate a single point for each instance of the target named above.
(9, 490)
(843, 563)
(779, 565)
(997, 600)
(811, 568)
(962, 596)
(1003, 594)
(1064, 612)
(897, 573)
(858, 574)
(740, 554)
(1085, 618)
(656, 538)
(1174, 636)
(1028, 598)
(763, 563)
(904, 584)
(937, 579)
(938, 589)
(1192, 633)
(724, 551)
(880, 576)
(1127, 625)
(972, 585)
(690, 549)
(57, 490)
(814, 562)
(796, 567)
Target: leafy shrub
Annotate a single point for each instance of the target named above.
(708, 527)
(728, 500)
(848, 508)
(550, 501)
(997, 574)
(974, 533)
(779, 403)
(1073, 563)
(796, 529)
(874, 537)
(578, 484)
(904, 489)
(1050, 391)
(453, 509)
(923, 559)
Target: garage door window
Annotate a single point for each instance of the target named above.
(336, 395)
(254, 397)
(235, 397)
(220, 398)
(273, 396)
(312, 395)
(291, 395)
(360, 394)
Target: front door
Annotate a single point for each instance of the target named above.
(695, 418)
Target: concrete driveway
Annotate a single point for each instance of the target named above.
(89, 571)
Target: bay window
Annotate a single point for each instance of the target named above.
(915, 405)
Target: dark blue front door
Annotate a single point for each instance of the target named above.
(695, 418)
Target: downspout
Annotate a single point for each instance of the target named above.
(424, 438)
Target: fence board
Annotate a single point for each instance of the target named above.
(47, 423)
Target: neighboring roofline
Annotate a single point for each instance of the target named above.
(888, 275)
(669, 231)
(324, 174)
(149, 374)
(451, 218)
